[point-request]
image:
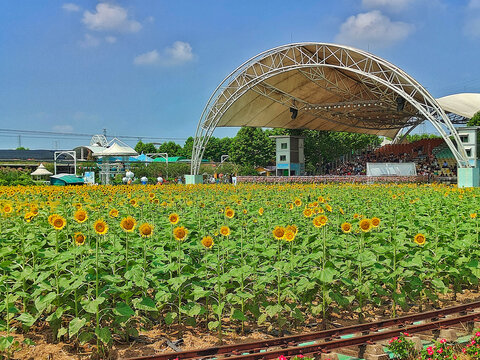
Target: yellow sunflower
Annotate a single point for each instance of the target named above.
(113, 213)
(146, 230)
(307, 212)
(7, 209)
(293, 228)
(260, 211)
(375, 221)
(51, 218)
(328, 207)
(180, 233)
(473, 215)
(289, 235)
(419, 239)
(59, 222)
(320, 220)
(229, 213)
(29, 216)
(207, 242)
(80, 216)
(278, 232)
(79, 238)
(298, 202)
(346, 227)
(365, 225)
(100, 227)
(225, 230)
(173, 218)
(128, 224)
(134, 202)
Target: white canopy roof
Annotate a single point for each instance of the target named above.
(117, 150)
(41, 170)
(464, 104)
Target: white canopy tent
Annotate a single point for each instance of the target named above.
(41, 171)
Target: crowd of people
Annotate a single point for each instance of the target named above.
(426, 165)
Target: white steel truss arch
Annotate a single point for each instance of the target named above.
(384, 83)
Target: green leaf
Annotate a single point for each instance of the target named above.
(29, 342)
(195, 310)
(92, 306)
(27, 319)
(261, 319)
(85, 337)
(170, 317)
(238, 315)
(123, 309)
(212, 325)
(438, 284)
(6, 342)
(218, 309)
(75, 325)
(62, 331)
(146, 304)
(43, 301)
(273, 310)
(104, 335)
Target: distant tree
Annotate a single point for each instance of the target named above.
(188, 147)
(145, 148)
(171, 148)
(217, 147)
(22, 148)
(139, 147)
(252, 147)
(475, 120)
(149, 148)
(416, 137)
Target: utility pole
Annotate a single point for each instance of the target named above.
(105, 132)
(19, 141)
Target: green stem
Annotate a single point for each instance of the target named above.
(97, 318)
(179, 288)
(126, 252)
(57, 283)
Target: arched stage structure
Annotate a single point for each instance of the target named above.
(322, 87)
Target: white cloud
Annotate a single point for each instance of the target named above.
(110, 17)
(179, 53)
(392, 5)
(471, 25)
(374, 29)
(89, 41)
(71, 7)
(110, 39)
(63, 128)
(149, 58)
(474, 4)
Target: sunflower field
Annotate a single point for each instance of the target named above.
(97, 264)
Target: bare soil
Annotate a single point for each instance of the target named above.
(154, 341)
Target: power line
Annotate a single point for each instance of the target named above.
(49, 134)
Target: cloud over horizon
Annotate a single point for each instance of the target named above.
(392, 5)
(372, 29)
(71, 7)
(110, 17)
(179, 53)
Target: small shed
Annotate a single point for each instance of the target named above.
(66, 179)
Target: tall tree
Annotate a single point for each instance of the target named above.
(252, 147)
(171, 148)
(475, 120)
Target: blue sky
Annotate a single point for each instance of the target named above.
(147, 67)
